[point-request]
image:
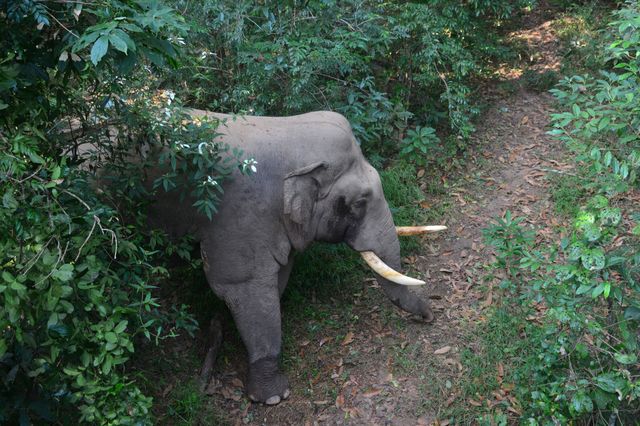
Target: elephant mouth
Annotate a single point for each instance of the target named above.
(388, 272)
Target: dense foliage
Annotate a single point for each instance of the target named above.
(91, 85)
(581, 363)
(387, 66)
(76, 274)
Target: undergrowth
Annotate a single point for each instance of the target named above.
(566, 334)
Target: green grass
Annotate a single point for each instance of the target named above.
(505, 338)
(188, 407)
(568, 193)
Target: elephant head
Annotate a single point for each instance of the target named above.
(349, 206)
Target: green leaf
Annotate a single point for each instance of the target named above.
(60, 329)
(594, 259)
(9, 201)
(610, 216)
(7, 277)
(99, 49)
(110, 337)
(55, 174)
(17, 286)
(625, 358)
(608, 382)
(632, 313)
(106, 366)
(591, 232)
(576, 109)
(122, 325)
(63, 273)
(581, 403)
(584, 288)
(118, 43)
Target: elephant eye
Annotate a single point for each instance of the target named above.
(360, 203)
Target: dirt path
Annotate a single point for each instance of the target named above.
(388, 368)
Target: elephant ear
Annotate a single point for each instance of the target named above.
(301, 190)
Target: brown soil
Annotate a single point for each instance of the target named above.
(386, 367)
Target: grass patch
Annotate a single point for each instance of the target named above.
(188, 407)
(568, 193)
(504, 343)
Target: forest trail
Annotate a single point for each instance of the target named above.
(401, 371)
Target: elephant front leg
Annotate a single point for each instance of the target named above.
(256, 311)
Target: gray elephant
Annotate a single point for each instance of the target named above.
(312, 184)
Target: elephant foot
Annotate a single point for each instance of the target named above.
(426, 313)
(266, 383)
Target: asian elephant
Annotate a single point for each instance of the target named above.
(312, 184)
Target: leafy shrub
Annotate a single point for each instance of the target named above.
(419, 143)
(77, 91)
(386, 66)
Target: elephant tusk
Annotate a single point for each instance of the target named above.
(386, 271)
(417, 230)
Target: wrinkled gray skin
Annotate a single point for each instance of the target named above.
(312, 184)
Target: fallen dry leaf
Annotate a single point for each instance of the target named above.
(508, 387)
(347, 339)
(166, 390)
(229, 393)
(443, 350)
(514, 411)
(475, 403)
(421, 173)
(450, 400)
(340, 401)
(372, 392)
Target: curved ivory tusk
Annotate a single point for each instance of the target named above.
(386, 271)
(418, 230)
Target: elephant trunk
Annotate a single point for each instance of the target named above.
(400, 295)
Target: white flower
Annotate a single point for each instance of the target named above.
(250, 164)
(210, 181)
(180, 146)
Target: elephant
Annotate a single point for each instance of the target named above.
(312, 184)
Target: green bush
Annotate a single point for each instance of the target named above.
(76, 275)
(387, 66)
